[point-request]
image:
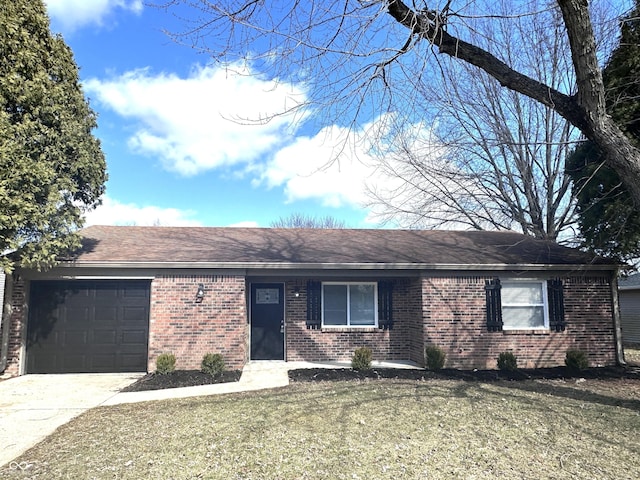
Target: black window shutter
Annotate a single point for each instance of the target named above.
(385, 305)
(314, 305)
(494, 305)
(555, 296)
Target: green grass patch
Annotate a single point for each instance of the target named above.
(386, 429)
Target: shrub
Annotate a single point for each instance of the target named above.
(165, 363)
(507, 361)
(576, 360)
(434, 357)
(213, 364)
(361, 359)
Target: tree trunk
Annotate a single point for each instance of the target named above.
(585, 110)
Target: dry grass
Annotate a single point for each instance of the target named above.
(385, 429)
(632, 354)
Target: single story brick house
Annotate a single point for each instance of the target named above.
(133, 293)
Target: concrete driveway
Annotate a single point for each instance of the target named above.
(33, 406)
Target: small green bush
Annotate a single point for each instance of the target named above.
(165, 363)
(507, 361)
(434, 357)
(213, 364)
(576, 360)
(361, 359)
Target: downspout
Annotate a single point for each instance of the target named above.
(617, 328)
(6, 293)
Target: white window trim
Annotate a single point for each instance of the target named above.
(544, 304)
(348, 325)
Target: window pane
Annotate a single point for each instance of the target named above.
(522, 293)
(335, 304)
(362, 304)
(523, 317)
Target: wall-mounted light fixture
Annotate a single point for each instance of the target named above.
(296, 292)
(200, 293)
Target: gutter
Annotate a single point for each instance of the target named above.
(337, 266)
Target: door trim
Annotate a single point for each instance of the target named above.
(284, 315)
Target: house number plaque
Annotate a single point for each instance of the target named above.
(267, 295)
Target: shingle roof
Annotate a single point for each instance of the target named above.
(299, 247)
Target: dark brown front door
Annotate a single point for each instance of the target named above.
(267, 321)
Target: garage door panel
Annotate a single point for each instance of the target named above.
(129, 363)
(88, 326)
(74, 315)
(73, 339)
(134, 337)
(67, 362)
(134, 292)
(104, 363)
(105, 337)
(135, 315)
(106, 314)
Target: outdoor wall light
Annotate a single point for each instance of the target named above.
(296, 292)
(200, 293)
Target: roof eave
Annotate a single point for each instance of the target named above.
(335, 266)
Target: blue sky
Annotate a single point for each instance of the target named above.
(176, 150)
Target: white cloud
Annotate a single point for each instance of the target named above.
(73, 14)
(113, 212)
(332, 167)
(245, 224)
(204, 121)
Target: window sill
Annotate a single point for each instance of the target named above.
(350, 329)
(527, 331)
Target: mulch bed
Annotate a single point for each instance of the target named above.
(322, 374)
(181, 378)
(190, 378)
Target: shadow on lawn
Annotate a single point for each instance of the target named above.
(577, 393)
(522, 379)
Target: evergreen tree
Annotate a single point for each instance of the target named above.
(52, 168)
(609, 221)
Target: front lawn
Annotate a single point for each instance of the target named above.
(371, 429)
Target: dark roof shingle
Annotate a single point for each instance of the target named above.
(115, 244)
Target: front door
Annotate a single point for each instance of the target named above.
(267, 321)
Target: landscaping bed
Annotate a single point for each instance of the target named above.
(181, 378)
(326, 374)
(190, 378)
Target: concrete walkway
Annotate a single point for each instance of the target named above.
(256, 375)
(32, 407)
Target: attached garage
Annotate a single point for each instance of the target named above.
(88, 326)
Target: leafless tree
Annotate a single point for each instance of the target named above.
(495, 158)
(302, 220)
(379, 50)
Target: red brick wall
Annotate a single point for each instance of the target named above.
(17, 328)
(339, 344)
(455, 320)
(445, 311)
(188, 329)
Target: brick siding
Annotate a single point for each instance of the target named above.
(190, 330)
(447, 311)
(455, 320)
(17, 327)
(338, 344)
